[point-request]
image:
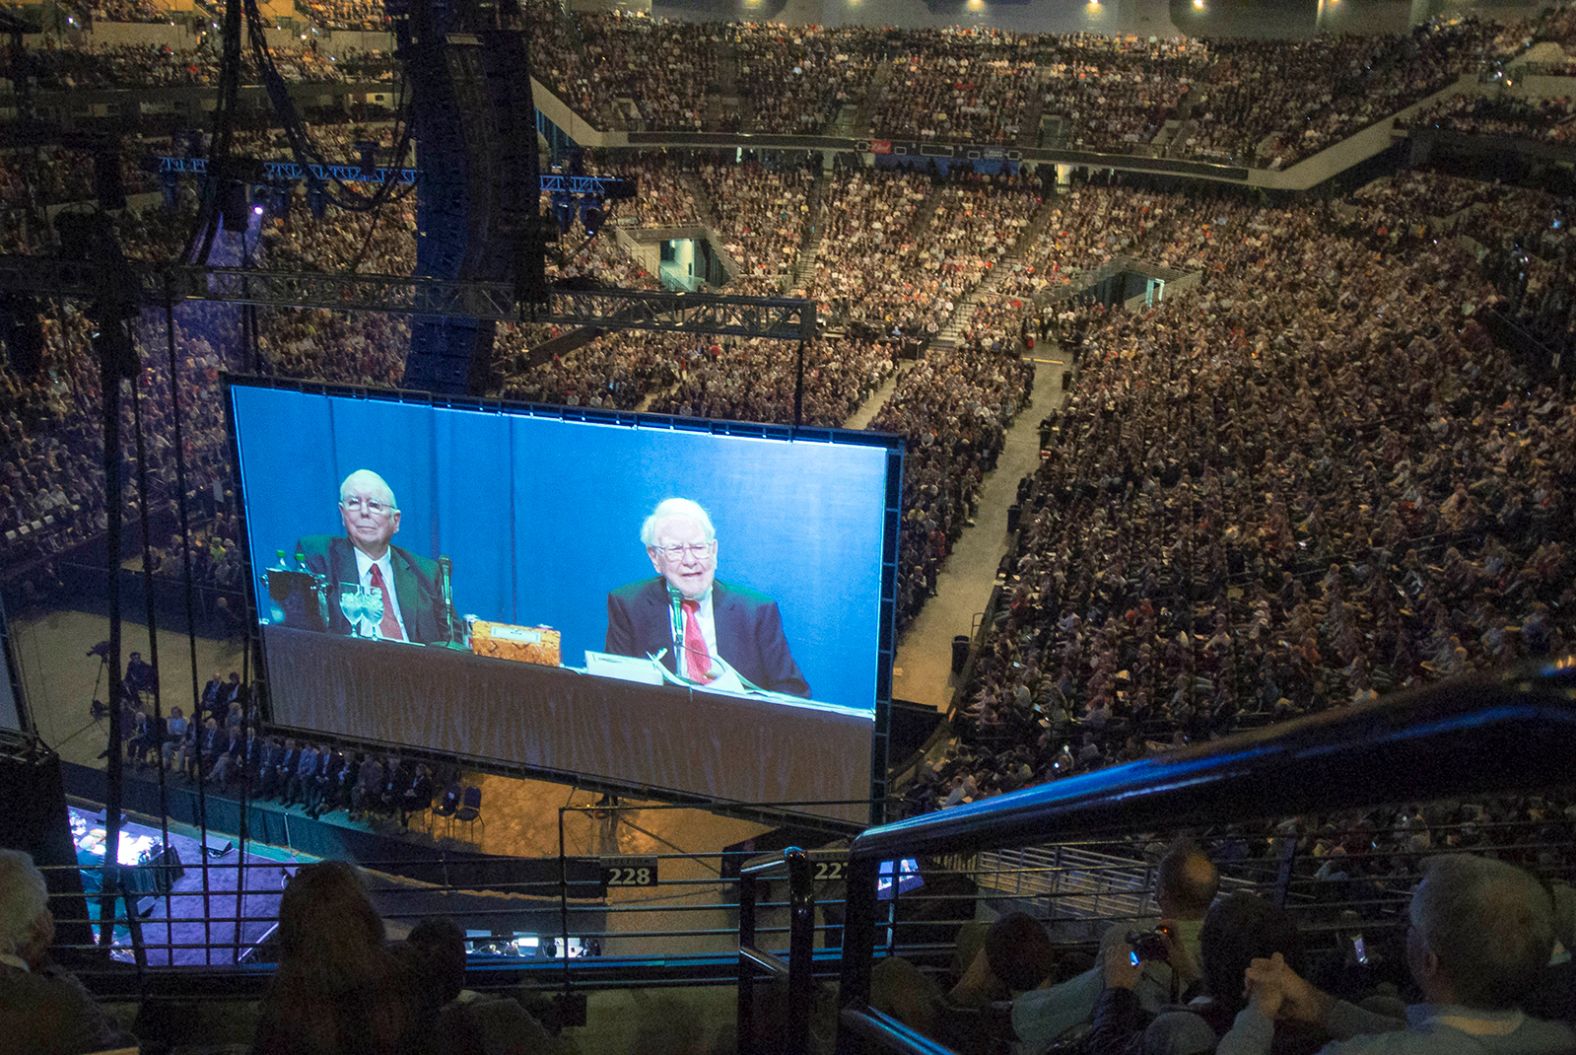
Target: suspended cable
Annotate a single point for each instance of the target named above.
(153, 654)
(191, 612)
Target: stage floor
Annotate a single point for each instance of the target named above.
(186, 928)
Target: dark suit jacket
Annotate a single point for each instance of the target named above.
(415, 584)
(49, 1013)
(749, 631)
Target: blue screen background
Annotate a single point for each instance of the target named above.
(542, 516)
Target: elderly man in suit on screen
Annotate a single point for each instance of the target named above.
(694, 619)
(412, 598)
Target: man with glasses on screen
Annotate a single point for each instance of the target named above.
(406, 583)
(706, 632)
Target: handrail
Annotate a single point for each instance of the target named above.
(1427, 743)
(801, 940)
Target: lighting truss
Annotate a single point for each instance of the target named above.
(777, 318)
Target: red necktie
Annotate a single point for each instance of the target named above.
(389, 627)
(697, 658)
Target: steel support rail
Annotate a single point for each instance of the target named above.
(1430, 743)
(801, 940)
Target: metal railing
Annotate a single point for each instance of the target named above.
(1449, 739)
(754, 961)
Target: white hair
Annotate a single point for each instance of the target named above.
(368, 479)
(670, 508)
(23, 898)
(1490, 923)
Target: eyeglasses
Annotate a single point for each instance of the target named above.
(371, 505)
(695, 550)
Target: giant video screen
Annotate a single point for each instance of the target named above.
(691, 606)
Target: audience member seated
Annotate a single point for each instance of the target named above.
(990, 964)
(1238, 929)
(470, 1023)
(338, 988)
(1480, 939)
(44, 1010)
(1186, 881)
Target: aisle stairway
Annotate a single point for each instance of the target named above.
(951, 334)
(810, 244)
(1168, 134)
(724, 101)
(922, 671)
(1029, 128)
(706, 213)
(924, 217)
(846, 124)
(874, 93)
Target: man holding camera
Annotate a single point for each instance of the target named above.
(1185, 884)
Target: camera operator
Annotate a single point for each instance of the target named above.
(1238, 929)
(1185, 885)
(1479, 943)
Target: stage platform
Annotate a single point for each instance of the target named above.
(181, 927)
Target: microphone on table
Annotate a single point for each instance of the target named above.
(676, 620)
(446, 590)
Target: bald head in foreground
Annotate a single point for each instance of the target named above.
(365, 554)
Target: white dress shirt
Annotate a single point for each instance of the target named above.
(385, 565)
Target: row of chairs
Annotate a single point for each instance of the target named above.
(458, 804)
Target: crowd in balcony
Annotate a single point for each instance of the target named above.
(1245, 517)
(796, 79)
(107, 66)
(762, 212)
(1547, 120)
(1246, 101)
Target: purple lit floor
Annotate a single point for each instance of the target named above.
(188, 928)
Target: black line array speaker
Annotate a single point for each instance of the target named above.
(34, 820)
(475, 123)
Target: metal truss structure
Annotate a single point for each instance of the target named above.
(285, 171)
(777, 318)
